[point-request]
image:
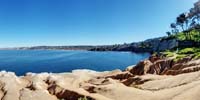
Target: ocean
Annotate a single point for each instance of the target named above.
(56, 61)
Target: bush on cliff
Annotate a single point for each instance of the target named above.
(182, 53)
(197, 55)
(193, 35)
(187, 51)
(168, 53)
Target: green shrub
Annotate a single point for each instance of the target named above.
(192, 35)
(179, 57)
(187, 51)
(197, 55)
(168, 54)
(181, 36)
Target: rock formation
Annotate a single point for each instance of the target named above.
(152, 79)
(165, 66)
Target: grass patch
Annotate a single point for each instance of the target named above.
(182, 53)
(197, 55)
(179, 57)
(187, 51)
(193, 50)
(168, 54)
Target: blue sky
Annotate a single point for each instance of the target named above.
(85, 22)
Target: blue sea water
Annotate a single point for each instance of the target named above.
(23, 61)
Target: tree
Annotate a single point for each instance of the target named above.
(195, 12)
(185, 22)
(194, 15)
(182, 21)
(168, 33)
(174, 28)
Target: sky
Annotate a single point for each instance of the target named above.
(85, 22)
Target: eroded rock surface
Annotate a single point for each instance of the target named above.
(151, 79)
(166, 66)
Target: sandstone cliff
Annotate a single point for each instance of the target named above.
(166, 66)
(151, 79)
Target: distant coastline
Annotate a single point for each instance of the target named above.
(133, 47)
(149, 46)
(50, 48)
